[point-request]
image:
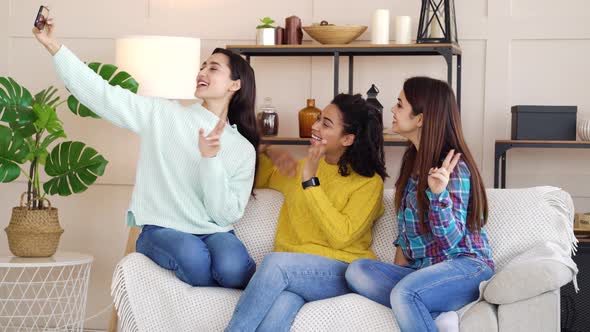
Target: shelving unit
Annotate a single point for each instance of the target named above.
(305, 141)
(502, 146)
(447, 51)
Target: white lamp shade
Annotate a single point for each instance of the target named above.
(164, 67)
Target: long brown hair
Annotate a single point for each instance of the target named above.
(441, 132)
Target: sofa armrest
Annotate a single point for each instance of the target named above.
(537, 314)
(525, 280)
(481, 317)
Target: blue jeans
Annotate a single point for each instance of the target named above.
(281, 286)
(218, 259)
(418, 296)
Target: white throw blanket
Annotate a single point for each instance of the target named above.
(549, 251)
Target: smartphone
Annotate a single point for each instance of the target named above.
(41, 18)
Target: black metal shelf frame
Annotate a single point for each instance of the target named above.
(502, 147)
(279, 141)
(447, 51)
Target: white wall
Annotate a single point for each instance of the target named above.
(515, 52)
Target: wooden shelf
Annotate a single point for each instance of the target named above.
(309, 49)
(345, 46)
(535, 142)
(388, 141)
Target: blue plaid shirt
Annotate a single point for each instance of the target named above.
(447, 234)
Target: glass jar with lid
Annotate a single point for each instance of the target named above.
(269, 118)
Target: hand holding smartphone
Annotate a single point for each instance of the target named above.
(43, 30)
(41, 18)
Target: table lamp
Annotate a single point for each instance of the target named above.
(164, 67)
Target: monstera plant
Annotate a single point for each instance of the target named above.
(32, 139)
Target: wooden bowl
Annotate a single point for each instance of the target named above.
(335, 34)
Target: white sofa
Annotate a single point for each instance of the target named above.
(149, 298)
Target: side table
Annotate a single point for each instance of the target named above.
(44, 294)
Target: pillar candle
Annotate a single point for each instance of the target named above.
(403, 28)
(380, 27)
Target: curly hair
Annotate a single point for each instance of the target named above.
(365, 156)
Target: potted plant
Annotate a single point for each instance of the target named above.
(265, 32)
(29, 126)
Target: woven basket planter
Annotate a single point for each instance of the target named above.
(33, 233)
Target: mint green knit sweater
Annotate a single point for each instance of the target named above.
(174, 186)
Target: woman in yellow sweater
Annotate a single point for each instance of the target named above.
(322, 227)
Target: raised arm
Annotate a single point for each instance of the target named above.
(115, 104)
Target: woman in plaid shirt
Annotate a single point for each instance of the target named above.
(442, 208)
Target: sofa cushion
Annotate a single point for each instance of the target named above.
(349, 312)
(258, 226)
(385, 230)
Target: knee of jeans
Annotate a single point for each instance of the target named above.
(192, 261)
(234, 273)
(274, 260)
(401, 295)
(195, 272)
(357, 276)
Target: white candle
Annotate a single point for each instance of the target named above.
(380, 27)
(435, 28)
(403, 30)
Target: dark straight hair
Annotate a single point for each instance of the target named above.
(441, 133)
(242, 105)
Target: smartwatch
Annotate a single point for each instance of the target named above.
(313, 182)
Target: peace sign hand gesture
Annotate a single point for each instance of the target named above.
(438, 178)
(210, 145)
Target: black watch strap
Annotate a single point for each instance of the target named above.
(313, 182)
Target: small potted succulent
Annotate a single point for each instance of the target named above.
(29, 127)
(265, 32)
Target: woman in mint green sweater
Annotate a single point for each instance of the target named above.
(196, 165)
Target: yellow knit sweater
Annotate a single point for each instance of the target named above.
(332, 220)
